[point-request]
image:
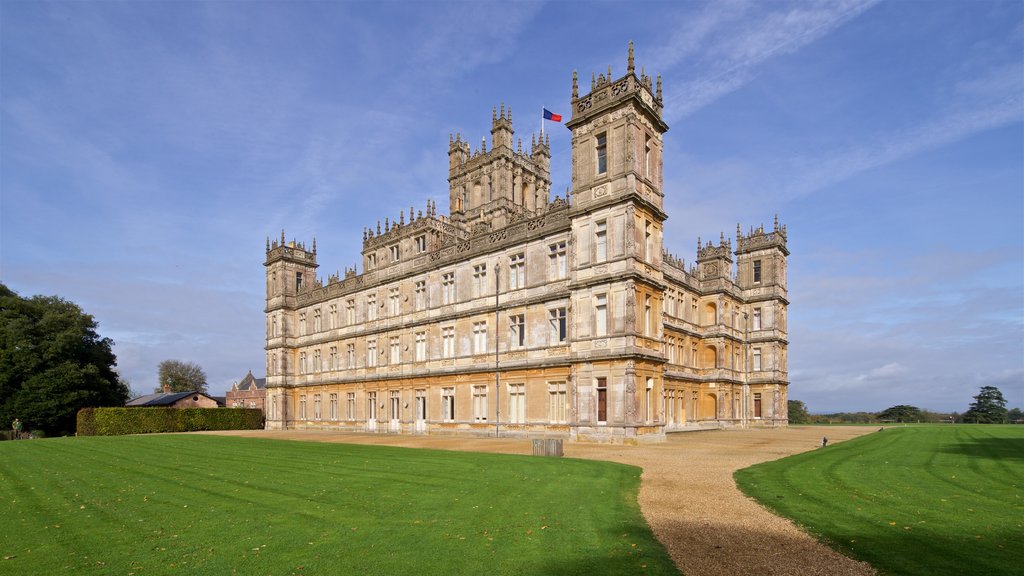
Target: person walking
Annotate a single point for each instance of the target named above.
(824, 441)
(16, 426)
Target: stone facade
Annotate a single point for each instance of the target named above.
(518, 314)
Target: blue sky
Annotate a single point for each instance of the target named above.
(147, 149)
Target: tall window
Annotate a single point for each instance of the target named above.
(371, 406)
(647, 156)
(516, 272)
(559, 328)
(421, 294)
(601, 149)
(556, 257)
(332, 317)
(421, 405)
(396, 405)
(333, 363)
(350, 355)
(421, 244)
(298, 282)
(371, 261)
(517, 330)
(317, 321)
(479, 280)
(517, 403)
(757, 359)
(648, 321)
(350, 312)
(302, 363)
(757, 319)
(479, 337)
(350, 405)
(601, 315)
(601, 241)
(757, 405)
(480, 403)
(649, 400)
(757, 271)
(557, 406)
(648, 241)
(448, 342)
(448, 288)
(371, 352)
(421, 346)
(317, 409)
(371, 307)
(302, 323)
(273, 326)
(602, 399)
(317, 362)
(396, 350)
(394, 304)
(448, 404)
(396, 253)
(302, 407)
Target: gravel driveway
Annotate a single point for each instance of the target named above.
(687, 494)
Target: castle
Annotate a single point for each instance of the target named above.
(522, 315)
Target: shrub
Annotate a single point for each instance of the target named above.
(120, 421)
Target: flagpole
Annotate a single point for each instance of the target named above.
(542, 121)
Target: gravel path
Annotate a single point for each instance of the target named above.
(687, 494)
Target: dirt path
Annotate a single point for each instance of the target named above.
(687, 494)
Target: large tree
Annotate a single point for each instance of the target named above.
(178, 376)
(52, 363)
(901, 413)
(798, 412)
(989, 407)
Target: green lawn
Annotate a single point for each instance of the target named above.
(190, 504)
(924, 500)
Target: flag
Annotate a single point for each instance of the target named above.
(548, 115)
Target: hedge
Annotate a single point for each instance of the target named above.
(120, 421)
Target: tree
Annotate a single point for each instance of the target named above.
(1014, 415)
(798, 412)
(52, 363)
(178, 376)
(901, 413)
(989, 407)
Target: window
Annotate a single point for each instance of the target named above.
(559, 329)
(333, 363)
(371, 352)
(350, 405)
(421, 244)
(601, 148)
(396, 253)
(350, 312)
(480, 403)
(648, 321)
(479, 337)
(448, 288)
(396, 405)
(421, 346)
(332, 317)
(421, 294)
(757, 271)
(298, 281)
(670, 303)
(757, 405)
(648, 241)
(317, 362)
(302, 324)
(302, 363)
(273, 326)
(302, 407)
(421, 405)
(601, 241)
(556, 256)
(757, 319)
(371, 307)
(394, 304)
(317, 412)
(670, 349)
(371, 406)
(602, 399)
(647, 155)
(757, 359)
(317, 321)
(448, 404)
(371, 261)
(517, 330)
(479, 280)
(516, 272)
(350, 355)
(557, 406)
(448, 342)
(517, 403)
(600, 315)
(396, 350)
(648, 397)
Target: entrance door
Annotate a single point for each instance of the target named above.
(421, 411)
(371, 411)
(395, 410)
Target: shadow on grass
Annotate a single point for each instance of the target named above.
(998, 448)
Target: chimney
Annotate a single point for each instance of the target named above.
(167, 388)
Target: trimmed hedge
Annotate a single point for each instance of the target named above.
(120, 421)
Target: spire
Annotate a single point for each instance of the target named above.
(575, 86)
(609, 77)
(593, 81)
(776, 222)
(739, 233)
(658, 95)
(483, 145)
(629, 61)
(509, 114)
(268, 243)
(314, 244)
(494, 114)
(378, 227)
(282, 236)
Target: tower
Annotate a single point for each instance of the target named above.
(617, 221)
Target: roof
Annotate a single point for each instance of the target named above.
(164, 398)
(249, 382)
